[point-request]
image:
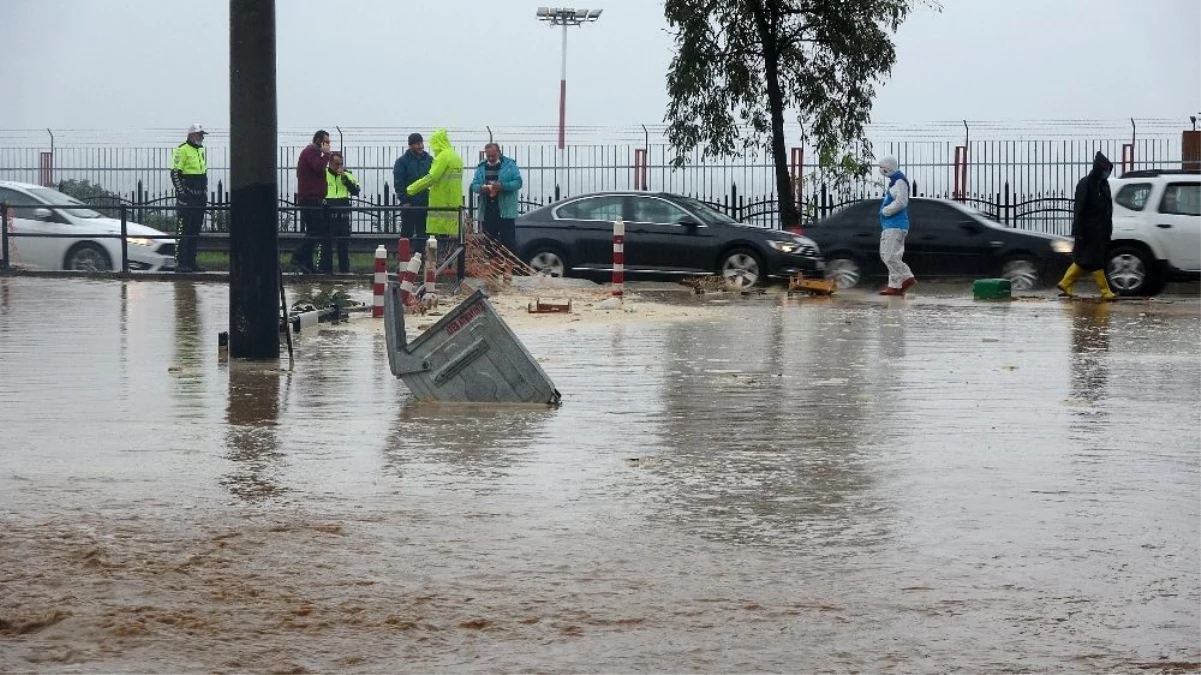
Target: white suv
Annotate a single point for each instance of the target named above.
(1156, 230)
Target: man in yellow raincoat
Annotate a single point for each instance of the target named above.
(445, 183)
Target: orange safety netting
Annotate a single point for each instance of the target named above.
(488, 259)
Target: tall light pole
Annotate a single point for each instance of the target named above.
(253, 207)
(565, 16)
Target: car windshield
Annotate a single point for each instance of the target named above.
(706, 212)
(56, 198)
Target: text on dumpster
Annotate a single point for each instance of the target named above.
(459, 323)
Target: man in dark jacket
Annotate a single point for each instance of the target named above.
(310, 196)
(1092, 227)
(410, 167)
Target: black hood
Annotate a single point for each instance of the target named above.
(1101, 163)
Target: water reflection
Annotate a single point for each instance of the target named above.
(188, 360)
(892, 333)
(328, 378)
(479, 441)
(767, 428)
(1090, 351)
(252, 441)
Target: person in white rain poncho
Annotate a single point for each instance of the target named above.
(894, 225)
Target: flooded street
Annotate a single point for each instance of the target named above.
(858, 484)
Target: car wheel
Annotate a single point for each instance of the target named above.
(1022, 274)
(88, 257)
(741, 269)
(844, 271)
(1131, 271)
(548, 261)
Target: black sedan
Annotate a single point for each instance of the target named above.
(946, 239)
(664, 234)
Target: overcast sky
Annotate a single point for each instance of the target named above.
(108, 64)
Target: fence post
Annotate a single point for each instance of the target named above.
(4, 236)
(735, 207)
(389, 216)
(619, 258)
(461, 264)
(1006, 208)
(125, 240)
(326, 243)
(959, 191)
(825, 201)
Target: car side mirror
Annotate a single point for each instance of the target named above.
(970, 226)
(690, 224)
(43, 214)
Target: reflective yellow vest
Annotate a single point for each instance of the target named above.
(189, 160)
(334, 188)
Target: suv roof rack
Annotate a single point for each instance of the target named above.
(1151, 173)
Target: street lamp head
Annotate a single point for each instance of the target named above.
(567, 16)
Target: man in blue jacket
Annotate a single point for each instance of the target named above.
(410, 167)
(894, 227)
(498, 180)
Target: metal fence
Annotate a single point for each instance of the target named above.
(1024, 183)
(160, 249)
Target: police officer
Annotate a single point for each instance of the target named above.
(189, 175)
(341, 186)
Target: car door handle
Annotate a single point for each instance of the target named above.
(1164, 226)
(865, 235)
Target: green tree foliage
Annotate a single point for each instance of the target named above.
(87, 191)
(741, 65)
(93, 194)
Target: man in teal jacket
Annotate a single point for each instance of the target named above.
(498, 180)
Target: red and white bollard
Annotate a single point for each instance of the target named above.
(407, 280)
(619, 258)
(381, 279)
(403, 253)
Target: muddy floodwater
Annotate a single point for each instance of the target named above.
(859, 484)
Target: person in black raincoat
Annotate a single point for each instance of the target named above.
(1092, 227)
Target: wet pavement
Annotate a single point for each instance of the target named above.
(851, 485)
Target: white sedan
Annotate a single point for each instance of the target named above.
(34, 209)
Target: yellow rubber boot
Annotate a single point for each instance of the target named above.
(1069, 278)
(1103, 284)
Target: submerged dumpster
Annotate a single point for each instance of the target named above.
(469, 356)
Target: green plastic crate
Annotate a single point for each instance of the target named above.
(992, 289)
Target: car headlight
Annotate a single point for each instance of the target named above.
(1061, 246)
(139, 241)
(784, 246)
